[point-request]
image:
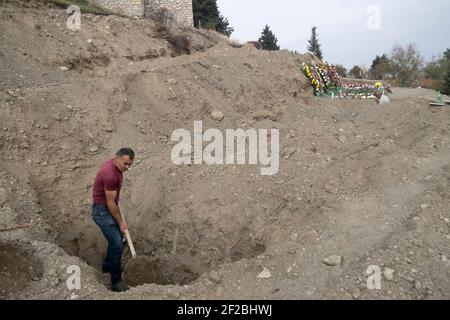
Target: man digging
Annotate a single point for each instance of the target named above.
(106, 213)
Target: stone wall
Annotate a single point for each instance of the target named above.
(182, 9)
(128, 7)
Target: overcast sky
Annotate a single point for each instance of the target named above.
(343, 25)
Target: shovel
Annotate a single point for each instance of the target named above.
(130, 244)
(129, 241)
(142, 269)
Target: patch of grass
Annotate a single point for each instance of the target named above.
(85, 6)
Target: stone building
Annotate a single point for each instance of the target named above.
(182, 9)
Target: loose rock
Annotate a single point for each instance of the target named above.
(215, 277)
(333, 260)
(388, 274)
(265, 274)
(217, 115)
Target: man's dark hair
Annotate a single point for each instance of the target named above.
(126, 152)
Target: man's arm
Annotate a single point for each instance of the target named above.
(114, 209)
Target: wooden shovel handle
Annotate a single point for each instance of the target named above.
(130, 243)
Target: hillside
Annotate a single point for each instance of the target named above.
(366, 182)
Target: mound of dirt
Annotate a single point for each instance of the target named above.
(17, 270)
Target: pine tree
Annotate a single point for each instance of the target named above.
(446, 89)
(223, 26)
(314, 45)
(207, 15)
(447, 54)
(268, 40)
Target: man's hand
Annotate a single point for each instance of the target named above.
(123, 226)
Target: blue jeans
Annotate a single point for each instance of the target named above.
(111, 230)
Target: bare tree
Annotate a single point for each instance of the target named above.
(163, 18)
(406, 63)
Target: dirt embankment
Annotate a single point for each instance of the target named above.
(366, 182)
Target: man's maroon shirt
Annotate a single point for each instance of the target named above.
(108, 178)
